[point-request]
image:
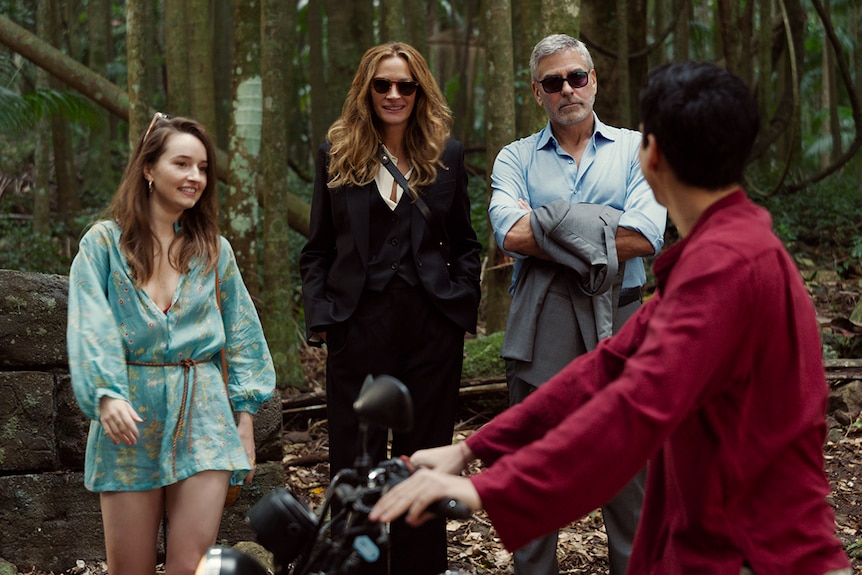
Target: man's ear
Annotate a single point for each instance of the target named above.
(536, 93)
(652, 152)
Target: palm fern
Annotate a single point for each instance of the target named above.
(21, 112)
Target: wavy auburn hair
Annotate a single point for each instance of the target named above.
(130, 207)
(356, 136)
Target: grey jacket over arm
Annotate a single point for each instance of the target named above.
(580, 239)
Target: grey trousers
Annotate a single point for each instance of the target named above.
(553, 350)
(620, 516)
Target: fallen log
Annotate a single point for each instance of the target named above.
(842, 371)
(838, 373)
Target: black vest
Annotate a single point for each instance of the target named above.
(389, 248)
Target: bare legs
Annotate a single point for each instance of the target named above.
(131, 522)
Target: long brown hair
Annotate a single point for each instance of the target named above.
(130, 207)
(356, 135)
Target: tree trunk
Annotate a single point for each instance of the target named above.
(42, 156)
(638, 61)
(416, 16)
(561, 16)
(97, 180)
(765, 93)
(623, 79)
(392, 21)
(177, 62)
(68, 200)
(527, 31)
(681, 34)
(201, 74)
(830, 83)
(136, 58)
(241, 206)
(277, 293)
(461, 108)
(746, 44)
(499, 131)
(825, 86)
(660, 20)
(349, 33)
(794, 65)
(108, 95)
(70, 71)
(297, 148)
(320, 120)
(223, 58)
(855, 15)
(597, 24)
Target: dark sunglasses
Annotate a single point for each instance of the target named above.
(553, 84)
(405, 87)
(156, 117)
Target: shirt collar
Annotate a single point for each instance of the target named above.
(666, 261)
(600, 129)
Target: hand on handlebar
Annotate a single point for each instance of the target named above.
(452, 459)
(426, 486)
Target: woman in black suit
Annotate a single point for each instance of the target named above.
(388, 288)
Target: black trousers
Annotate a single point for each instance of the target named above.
(397, 332)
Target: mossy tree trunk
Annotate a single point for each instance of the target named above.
(278, 320)
(499, 131)
(200, 70)
(177, 61)
(42, 156)
(241, 206)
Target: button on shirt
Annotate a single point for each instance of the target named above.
(538, 171)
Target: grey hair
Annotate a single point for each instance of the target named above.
(553, 44)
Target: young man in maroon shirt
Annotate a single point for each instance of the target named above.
(717, 381)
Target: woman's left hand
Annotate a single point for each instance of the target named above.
(245, 427)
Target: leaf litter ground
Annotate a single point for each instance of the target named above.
(473, 544)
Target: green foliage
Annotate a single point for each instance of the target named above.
(20, 113)
(22, 249)
(854, 549)
(824, 217)
(482, 357)
(479, 210)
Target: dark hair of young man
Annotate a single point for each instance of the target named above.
(704, 119)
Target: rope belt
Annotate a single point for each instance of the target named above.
(188, 365)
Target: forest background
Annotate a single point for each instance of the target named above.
(80, 79)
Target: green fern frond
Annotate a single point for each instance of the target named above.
(21, 112)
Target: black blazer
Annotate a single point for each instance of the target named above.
(333, 261)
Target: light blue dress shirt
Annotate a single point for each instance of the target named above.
(538, 171)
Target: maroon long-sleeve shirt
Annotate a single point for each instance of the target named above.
(717, 381)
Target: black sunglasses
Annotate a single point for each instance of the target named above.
(553, 84)
(405, 87)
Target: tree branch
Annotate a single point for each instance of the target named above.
(112, 98)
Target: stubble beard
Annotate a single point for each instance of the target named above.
(574, 114)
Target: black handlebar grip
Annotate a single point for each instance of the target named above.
(451, 508)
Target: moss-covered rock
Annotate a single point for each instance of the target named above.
(482, 357)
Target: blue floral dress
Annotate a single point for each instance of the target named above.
(167, 365)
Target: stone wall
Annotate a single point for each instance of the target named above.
(47, 519)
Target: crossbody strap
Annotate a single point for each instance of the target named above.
(417, 201)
